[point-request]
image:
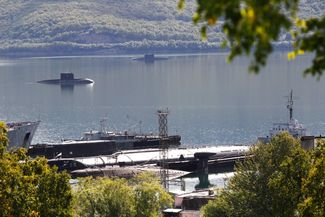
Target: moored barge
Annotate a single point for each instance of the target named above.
(86, 148)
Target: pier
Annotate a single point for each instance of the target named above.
(217, 158)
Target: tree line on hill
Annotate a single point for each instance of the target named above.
(110, 26)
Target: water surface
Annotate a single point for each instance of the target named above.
(210, 102)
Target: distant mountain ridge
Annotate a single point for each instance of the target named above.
(108, 26)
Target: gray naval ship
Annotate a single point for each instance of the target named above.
(292, 125)
(95, 143)
(20, 134)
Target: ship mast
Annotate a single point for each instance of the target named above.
(103, 125)
(290, 106)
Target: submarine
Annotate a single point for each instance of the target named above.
(67, 78)
(150, 58)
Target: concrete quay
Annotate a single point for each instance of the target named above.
(221, 158)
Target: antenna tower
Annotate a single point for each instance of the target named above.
(290, 106)
(103, 125)
(163, 154)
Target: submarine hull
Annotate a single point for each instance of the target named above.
(67, 82)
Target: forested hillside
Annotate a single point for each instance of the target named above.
(109, 26)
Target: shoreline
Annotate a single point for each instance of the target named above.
(121, 53)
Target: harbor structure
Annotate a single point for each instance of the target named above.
(163, 155)
(224, 157)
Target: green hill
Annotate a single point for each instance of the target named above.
(107, 26)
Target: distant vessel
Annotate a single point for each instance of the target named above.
(20, 134)
(292, 126)
(150, 58)
(67, 78)
(102, 142)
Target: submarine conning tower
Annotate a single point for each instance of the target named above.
(66, 76)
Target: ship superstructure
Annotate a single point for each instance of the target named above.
(292, 125)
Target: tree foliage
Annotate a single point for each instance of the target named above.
(313, 187)
(29, 187)
(281, 179)
(251, 26)
(104, 197)
(311, 38)
(150, 196)
(3, 139)
(142, 196)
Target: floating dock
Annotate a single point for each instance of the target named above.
(185, 159)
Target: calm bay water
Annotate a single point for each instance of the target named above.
(210, 102)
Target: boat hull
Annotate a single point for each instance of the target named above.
(20, 134)
(67, 82)
(70, 149)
